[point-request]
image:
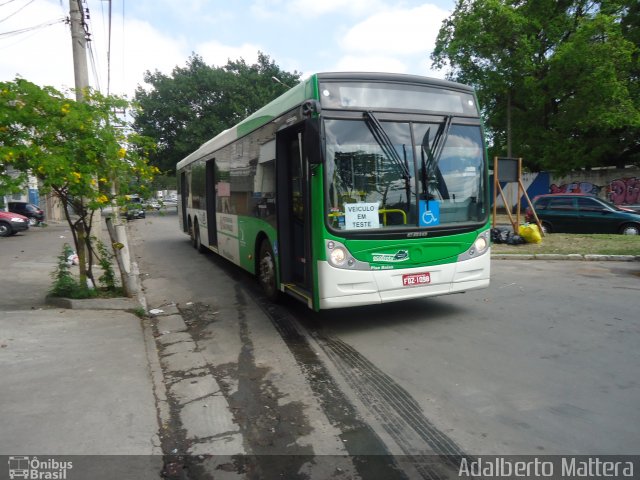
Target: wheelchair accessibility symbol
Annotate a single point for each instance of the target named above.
(429, 213)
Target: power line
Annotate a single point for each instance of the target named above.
(109, 52)
(85, 16)
(124, 70)
(6, 3)
(14, 13)
(35, 27)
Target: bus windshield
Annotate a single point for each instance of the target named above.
(403, 175)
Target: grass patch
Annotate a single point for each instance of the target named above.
(567, 243)
(139, 312)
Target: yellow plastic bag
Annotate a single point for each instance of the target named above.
(530, 233)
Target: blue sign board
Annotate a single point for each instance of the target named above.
(429, 213)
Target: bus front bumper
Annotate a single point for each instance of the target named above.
(348, 288)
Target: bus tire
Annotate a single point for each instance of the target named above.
(197, 242)
(267, 271)
(191, 232)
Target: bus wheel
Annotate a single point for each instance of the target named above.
(267, 271)
(197, 243)
(191, 233)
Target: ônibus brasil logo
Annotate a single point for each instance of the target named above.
(34, 468)
(400, 256)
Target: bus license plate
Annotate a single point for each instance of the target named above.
(416, 279)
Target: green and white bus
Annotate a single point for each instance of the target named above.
(349, 189)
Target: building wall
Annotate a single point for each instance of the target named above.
(619, 186)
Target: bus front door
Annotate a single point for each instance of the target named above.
(294, 234)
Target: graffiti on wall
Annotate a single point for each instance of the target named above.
(624, 191)
(576, 187)
(621, 191)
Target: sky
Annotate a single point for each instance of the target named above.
(306, 36)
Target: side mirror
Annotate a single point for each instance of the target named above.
(311, 141)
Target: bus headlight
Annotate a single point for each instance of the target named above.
(480, 247)
(338, 256)
(480, 244)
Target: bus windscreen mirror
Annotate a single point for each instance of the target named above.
(312, 141)
(310, 108)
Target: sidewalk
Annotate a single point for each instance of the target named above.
(74, 381)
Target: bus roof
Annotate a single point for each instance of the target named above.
(288, 100)
(305, 90)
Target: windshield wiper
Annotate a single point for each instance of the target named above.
(385, 143)
(389, 150)
(431, 175)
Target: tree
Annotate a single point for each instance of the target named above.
(183, 110)
(563, 74)
(78, 152)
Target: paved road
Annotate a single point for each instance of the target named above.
(545, 361)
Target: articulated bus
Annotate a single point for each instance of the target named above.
(349, 189)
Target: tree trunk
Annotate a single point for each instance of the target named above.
(82, 253)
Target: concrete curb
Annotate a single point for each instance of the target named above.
(117, 303)
(571, 256)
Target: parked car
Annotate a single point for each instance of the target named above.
(579, 213)
(133, 210)
(12, 223)
(29, 210)
(152, 204)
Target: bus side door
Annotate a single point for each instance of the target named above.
(294, 226)
(210, 189)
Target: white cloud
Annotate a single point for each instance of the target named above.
(215, 53)
(306, 9)
(370, 63)
(266, 9)
(396, 32)
(142, 48)
(313, 8)
(394, 40)
(42, 56)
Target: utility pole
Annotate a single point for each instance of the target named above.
(81, 77)
(117, 233)
(79, 45)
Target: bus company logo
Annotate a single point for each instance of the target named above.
(34, 468)
(417, 234)
(400, 256)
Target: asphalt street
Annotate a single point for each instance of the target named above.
(544, 362)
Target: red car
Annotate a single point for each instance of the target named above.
(12, 223)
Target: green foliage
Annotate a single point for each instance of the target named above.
(568, 69)
(108, 278)
(64, 284)
(164, 182)
(79, 151)
(139, 312)
(196, 102)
